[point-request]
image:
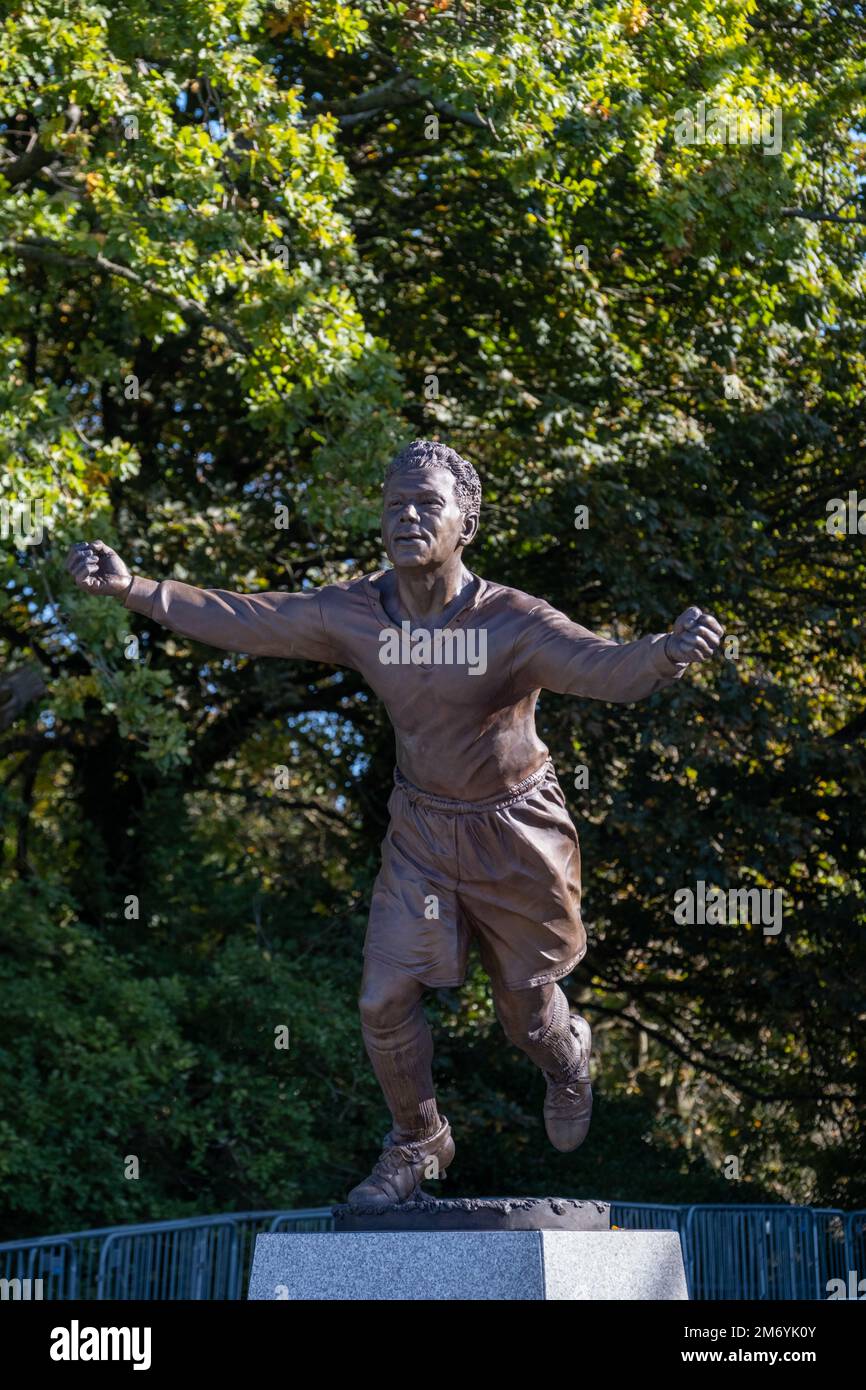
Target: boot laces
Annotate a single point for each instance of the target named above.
(397, 1156)
(563, 1094)
(389, 1163)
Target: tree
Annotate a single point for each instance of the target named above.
(249, 249)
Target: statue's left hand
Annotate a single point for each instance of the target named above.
(695, 637)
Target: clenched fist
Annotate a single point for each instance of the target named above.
(97, 569)
(695, 636)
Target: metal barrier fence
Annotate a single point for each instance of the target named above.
(729, 1249)
(205, 1257)
(644, 1216)
(752, 1252)
(855, 1233)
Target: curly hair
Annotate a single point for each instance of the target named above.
(425, 453)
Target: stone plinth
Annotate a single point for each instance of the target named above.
(412, 1265)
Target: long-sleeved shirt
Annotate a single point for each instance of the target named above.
(465, 728)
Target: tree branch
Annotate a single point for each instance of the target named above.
(819, 215)
(22, 168)
(46, 252)
(18, 689)
(401, 91)
(744, 1087)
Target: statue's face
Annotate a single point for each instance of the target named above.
(422, 524)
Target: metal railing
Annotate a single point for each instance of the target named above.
(203, 1257)
(647, 1216)
(752, 1252)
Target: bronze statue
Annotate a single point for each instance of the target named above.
(480, 843)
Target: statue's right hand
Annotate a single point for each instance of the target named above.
(97, 569)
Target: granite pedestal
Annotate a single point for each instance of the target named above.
(413, 1263)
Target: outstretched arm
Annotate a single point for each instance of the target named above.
(273, 624)
(553, 653)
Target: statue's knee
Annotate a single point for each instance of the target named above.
(514, 1030)
(514, 1019)
(384, 1006)
(523, 1014)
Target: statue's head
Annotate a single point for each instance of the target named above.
(430, 505)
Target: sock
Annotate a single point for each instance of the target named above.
(552, 1047)
(402, 1059)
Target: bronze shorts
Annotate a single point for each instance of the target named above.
(506, 871)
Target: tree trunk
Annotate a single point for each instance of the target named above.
(17, 690)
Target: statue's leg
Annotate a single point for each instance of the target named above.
(538, 1021)
(400, 1047)
(416, 939)
(519, 885)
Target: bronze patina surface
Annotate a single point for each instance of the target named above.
(480, 844)
(477, 1214)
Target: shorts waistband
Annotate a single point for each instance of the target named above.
(454, 807)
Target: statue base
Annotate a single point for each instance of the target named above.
(477, 1214)
(470, 1249)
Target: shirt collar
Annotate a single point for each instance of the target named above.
(477, 589)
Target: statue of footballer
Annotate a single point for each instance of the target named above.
(479, 827)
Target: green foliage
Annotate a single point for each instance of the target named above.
(237, 240)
